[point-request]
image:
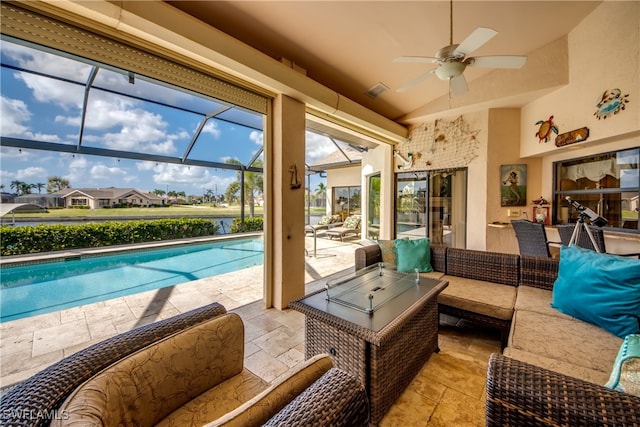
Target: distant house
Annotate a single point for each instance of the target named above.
(96, 198)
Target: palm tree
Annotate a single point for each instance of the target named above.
(321, 191)
(39, 186)
(56, 183)
(253, 182)
(17, 186)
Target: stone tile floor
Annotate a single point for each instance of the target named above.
(449, 390)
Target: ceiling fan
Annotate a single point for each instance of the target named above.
(452, 60)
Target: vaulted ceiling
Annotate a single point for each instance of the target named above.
(349, 46)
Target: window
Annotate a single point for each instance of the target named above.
(374, 206)
(432, 204)
(346, 201)
(608, 184)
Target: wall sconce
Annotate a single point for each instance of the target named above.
(295, 181)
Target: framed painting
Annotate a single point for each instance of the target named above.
(513, 185)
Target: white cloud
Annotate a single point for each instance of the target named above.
(211, 128)
(103, 172)
(317, 147)
(14, 113)
(180, 174)
(256, 137)
(31, 174)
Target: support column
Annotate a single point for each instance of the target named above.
(286, 264)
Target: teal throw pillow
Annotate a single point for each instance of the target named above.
(598, 288)
(412, 254)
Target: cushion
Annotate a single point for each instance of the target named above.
(352, 222)
(388, 253)
(325, 220)
(145, 387)
(599, 288)
(565, 339)
(263, 406)
(485, 298)
(413, 254)
(625, 375)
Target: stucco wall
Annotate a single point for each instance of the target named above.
(604, 54)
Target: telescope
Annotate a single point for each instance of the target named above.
(595, 219)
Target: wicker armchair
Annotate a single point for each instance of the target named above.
(45, 391)
(532, 238)
(521, 394)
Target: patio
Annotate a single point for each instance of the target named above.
(449, 390)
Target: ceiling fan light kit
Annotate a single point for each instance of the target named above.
(452, 60)
(449, 70)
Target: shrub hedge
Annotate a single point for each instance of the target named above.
(45, 238)
(250, 224)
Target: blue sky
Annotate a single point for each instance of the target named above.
(45, 109)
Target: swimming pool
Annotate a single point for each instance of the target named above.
(28, 290)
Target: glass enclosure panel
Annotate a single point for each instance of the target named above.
(346, 201)
(411, 191)
(373, 220)
(608, 184)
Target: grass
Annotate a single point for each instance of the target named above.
(173, 211)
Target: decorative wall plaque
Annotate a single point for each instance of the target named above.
(572, 137)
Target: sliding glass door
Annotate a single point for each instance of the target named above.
(432, 204)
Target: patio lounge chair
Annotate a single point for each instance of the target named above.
(325, 223)
(350, 227)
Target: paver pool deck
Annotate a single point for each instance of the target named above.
(31, 344)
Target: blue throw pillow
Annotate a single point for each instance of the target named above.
(598, 288)
(412, 254)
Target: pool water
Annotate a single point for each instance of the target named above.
(33, 289)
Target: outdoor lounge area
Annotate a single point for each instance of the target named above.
(443, 285)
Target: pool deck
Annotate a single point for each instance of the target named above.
(31, 344)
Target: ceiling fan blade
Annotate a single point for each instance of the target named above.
(421, 59)
(497, 61)
(416, 81)
(474, 41)
(458, 85)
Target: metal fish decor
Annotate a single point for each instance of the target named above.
(611, 102)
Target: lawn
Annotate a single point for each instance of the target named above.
(173, 211)
(184, 210)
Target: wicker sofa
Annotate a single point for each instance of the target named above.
(187, 370)
(553, 369)
(553, 366)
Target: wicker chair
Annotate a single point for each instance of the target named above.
(566, 231)
(45, 391)
(532, 238)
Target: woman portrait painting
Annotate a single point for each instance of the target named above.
(513, 189)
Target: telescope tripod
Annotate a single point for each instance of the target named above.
(580, 228)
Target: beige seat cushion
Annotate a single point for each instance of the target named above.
(564, 339)
(262, 407)
(145, 387)
(536, 300)
(560, 366)
(217, 401)
(478, 296)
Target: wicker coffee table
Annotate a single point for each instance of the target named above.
(378, 324)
